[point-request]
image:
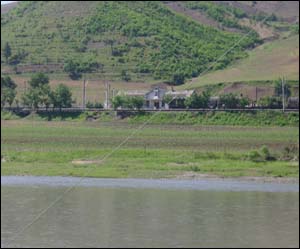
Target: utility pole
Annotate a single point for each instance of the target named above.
(283, 97)
(83, 95)
(25, 87)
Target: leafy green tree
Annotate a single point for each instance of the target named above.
(229, 100)
(73, 68)
(270, 102)
(38, 80)
(118, 101)
(39, 93)
(244, 102)
(8, 91)
(134, 102)
(178, 79)
(62, 97)
(125, 76)
(197, 101)
(7, 51)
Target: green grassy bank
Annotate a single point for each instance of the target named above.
(158, 151)
(255, 118)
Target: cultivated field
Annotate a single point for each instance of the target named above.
(158, 151)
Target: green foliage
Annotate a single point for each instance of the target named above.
(39, 80)
(73, 68)
(229, 100)
(178, 79)
(76, 68)
(125, 76)
(18, 57)
(226, 15)
(94, 105)
(197, 101)
(8, 91)
(154, 40)
(270, 102)
(62, 97)
(278, 89)
(128, 102)
(262, 155)
(259, 118)
(7, 51)
(37, 97)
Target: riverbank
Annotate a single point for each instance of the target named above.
(231, 118)
(158, 151)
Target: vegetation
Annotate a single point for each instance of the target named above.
(233, 118)
(147, 36)
(62, 148)
(231, 100)
(270, 102)
(7, 51)
(61, 97)
(8, 91)
(226, 15)
(255, 118)
(197, 101)
(265, 63)
(127, 102)
(40, 94)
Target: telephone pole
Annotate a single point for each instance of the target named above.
(83, 95)
(283, 97)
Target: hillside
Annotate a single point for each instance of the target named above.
(266, 62)
(7, 7)
(134, 45)
(145, 40)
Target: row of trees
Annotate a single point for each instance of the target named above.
(204, 100)
(38, 95)
(130, 102)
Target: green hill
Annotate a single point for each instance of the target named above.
(265, 63)
(114, 39)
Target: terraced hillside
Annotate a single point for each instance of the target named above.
(124, 39)
(134, 45)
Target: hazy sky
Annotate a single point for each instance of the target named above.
(4, 2)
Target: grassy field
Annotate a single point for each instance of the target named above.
(158, 151)
(266, 62)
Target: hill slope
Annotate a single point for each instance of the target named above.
(266, 62)
(146, 39)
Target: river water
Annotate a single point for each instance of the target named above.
(149, 213)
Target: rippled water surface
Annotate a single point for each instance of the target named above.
(149, 213)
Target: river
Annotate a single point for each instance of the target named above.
(149, 213)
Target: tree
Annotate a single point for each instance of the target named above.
(278, 89)
(8, 92)
(244, 102)
(110, 42)
(38, 80)
(118, 101)
(62, 97)
(229, 100)
(270, 102)
(135, 102)
(178, 79)
(197, 101)
(125, 76)
(7, 51)
(73, 68)
(39, 93)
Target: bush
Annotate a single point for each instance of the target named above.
(261, 156)
(254, 156)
